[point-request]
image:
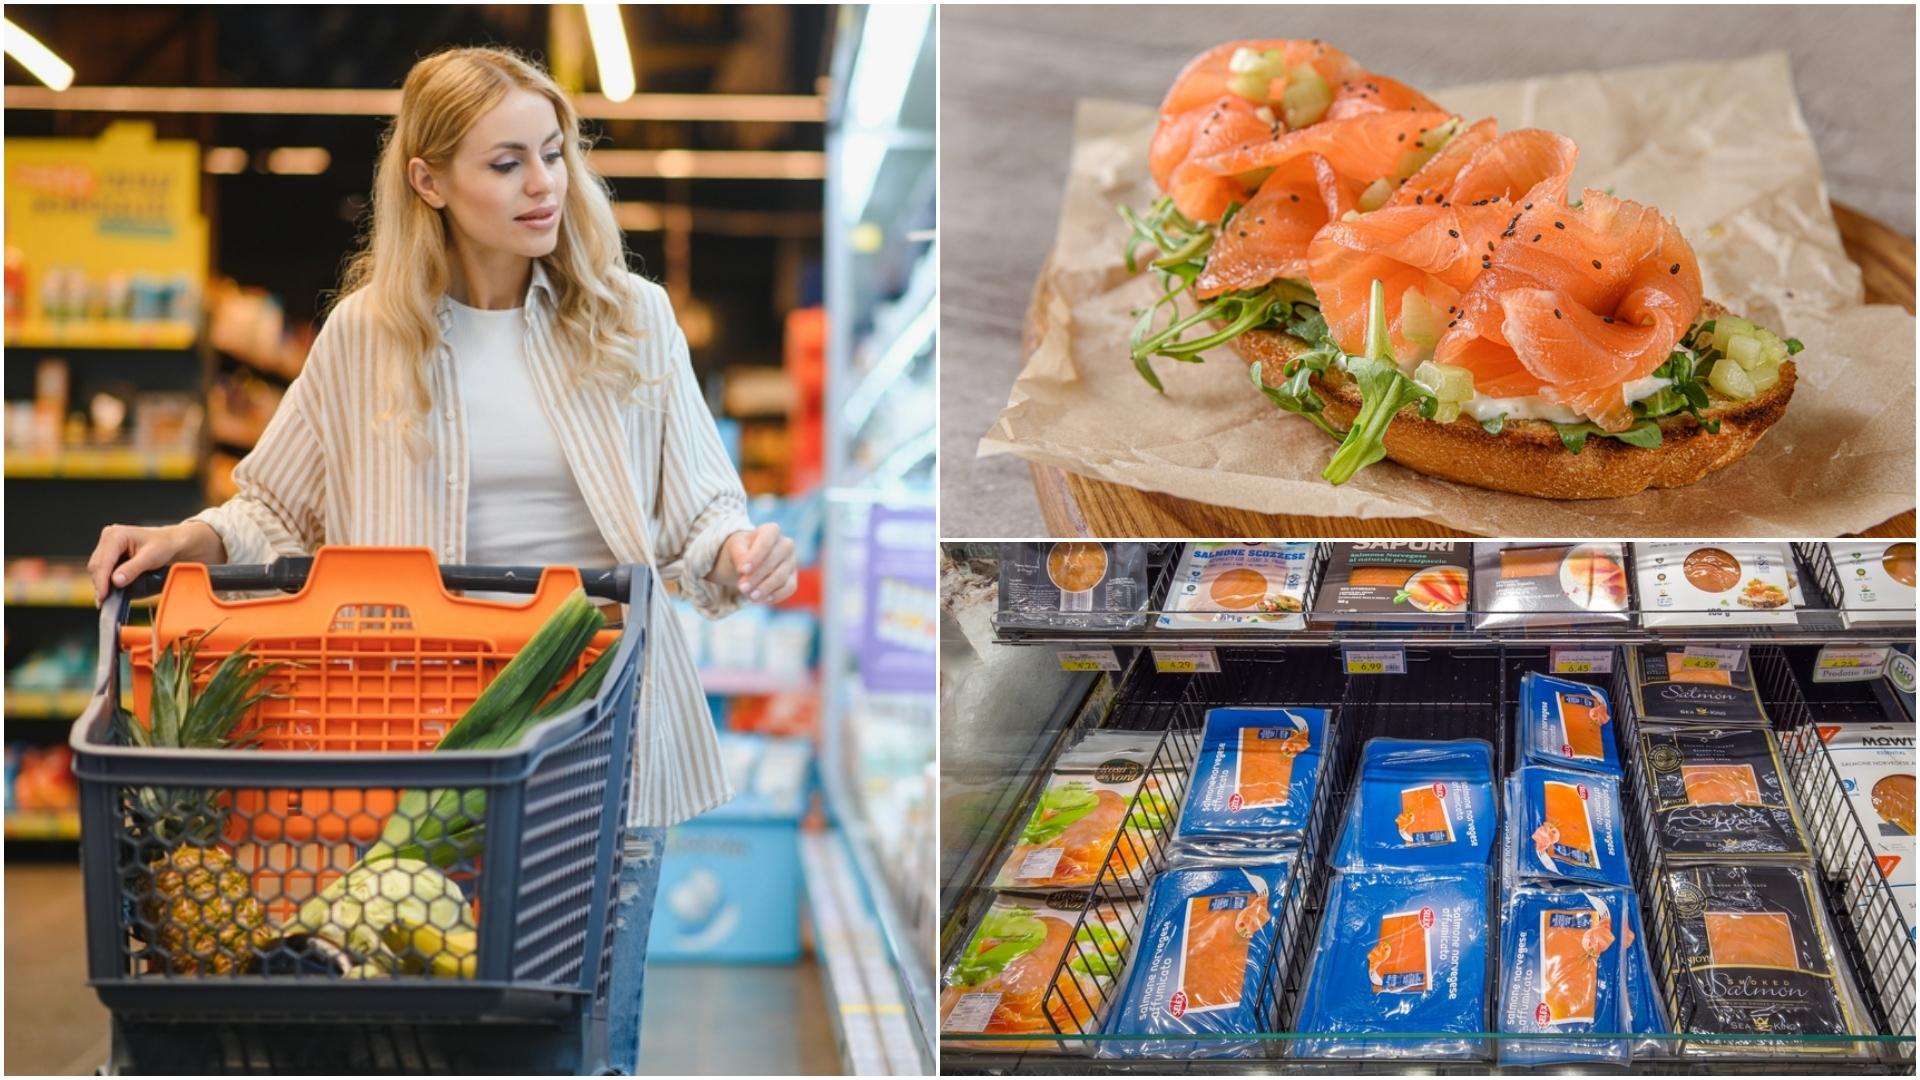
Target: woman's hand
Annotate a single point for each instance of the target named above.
(759, 562)
(149, 549)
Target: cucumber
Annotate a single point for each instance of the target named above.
(1725, 327)
(1306, 97)
(1375, 196)
(1732, 380)
(1449, 382)
(1745, 350)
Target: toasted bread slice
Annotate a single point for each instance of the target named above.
(1527, 457)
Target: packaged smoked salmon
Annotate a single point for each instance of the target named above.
(1876, 580)
(1256, 777)
(1251, 584)
(1670, 685)
(1567, 827)
(1073, 585)
(1876, 767)
(1026, 945)
(1417, 803)
(1721, 793)
(1646, 1010)
(1567, 724)
(1756, 954)
(1518, 584)
(1400, 952)
(1563, 970)
(1717, 584)
(1084, 818)
(1413, 582)
(1205, 963)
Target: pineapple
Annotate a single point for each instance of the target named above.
(206, 919)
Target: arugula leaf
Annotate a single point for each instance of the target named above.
(1688, 391)
(1383, 392)
(1644, 433)
(1794, 347)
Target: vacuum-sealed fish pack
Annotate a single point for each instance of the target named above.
(1025, 946)
(1247, 585)
(1756, 955)
(1567, 724)
(1564, 973)
(1567, 827)
(1646, 1011)
(1084, 818)
(1520, 584)
(1205, 963)
(1673, 686)
(1399, 952)
(1721, 793)
(1074, 585)
(1256, 777)
(1420, 803)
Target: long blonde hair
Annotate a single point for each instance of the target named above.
(402, 263)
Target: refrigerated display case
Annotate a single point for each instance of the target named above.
(1015, 699)
(868, 873)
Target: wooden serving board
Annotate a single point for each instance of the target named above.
(1076, 505)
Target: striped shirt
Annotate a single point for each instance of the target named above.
(653, 473)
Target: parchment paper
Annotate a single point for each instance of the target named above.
(1720, 147)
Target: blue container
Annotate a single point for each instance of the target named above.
(1420, 804)
(1567, 827)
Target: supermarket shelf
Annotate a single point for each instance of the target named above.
(106, 335)
(749, 683)
(1818, 627)
(43, 825)
(102, 464)
(47, 704)
(74, 592)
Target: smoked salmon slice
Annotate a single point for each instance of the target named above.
(1368, 92)
(1206, 76)
(1571, 943)
(1364, 148)
(1751, 939)
(1721, 785)
(1268, 238)
(1220, 930)
(1397, 963)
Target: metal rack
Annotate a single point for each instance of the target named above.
(1466, 689)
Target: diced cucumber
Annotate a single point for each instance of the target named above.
(1732, 380)
(1430, 143)
(1254, 72)
(1450, 383)
(1375, 196)
(1744, 349)
(1446, 412)
(1419, 323)
(1725, 327)
(1764, 377)
(1250, 86)
(1306, 97)
(1772, 350)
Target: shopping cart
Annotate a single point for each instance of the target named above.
(387, 660)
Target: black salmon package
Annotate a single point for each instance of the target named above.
(1255, 780)
(1670, 690)
(1073, 585)
(1396, 581)
(1400, 952)
(1420, 803)
(1755, 954)
(1562, 959)
(1567, 724)
(1720, 794)
(1204, 964)
(1567, 827)
(999, 983)
(1549, 584)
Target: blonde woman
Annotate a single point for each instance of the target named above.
(494, 383)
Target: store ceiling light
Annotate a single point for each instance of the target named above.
(225, 160)
(610, 52)
(891, 37)
(39, 60)
(279, 101)
(298, 160)
(713, 164)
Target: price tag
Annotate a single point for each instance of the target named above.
(1701, 658)
(1582, 661)
(1185, 661)
(1375, 661)
(1088, 660)
(1846, 663)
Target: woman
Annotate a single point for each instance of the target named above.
(494, 383)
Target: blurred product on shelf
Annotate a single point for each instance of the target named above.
(248, 324)
(66, 664)
(40, 778)
(72, 294)
(238, 408)
(1876, 580)
(38, 582)
(1014, 977)
(1684, 685)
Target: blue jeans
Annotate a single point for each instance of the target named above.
(633, 915)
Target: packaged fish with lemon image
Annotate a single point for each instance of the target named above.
(1251, 584)
(1721, 793)
(1255, 778)
(1567, 724)
(999, 983)
(1420, 803)
(1205, 962)
(1084, 818)
(1567, 827)
(1564, 970)
(1400, 952)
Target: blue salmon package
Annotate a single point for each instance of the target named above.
(1564, 971)
(1566, 827)
(1420, 804)
(1567, 724)
(1255, 779)
(1646, 1014)
(1203, 965)
(1399, 952)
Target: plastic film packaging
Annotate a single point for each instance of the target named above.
(1248, 585)
(1082, 819)
(1668, 690)
(1876, 580)
(1562, 959)
(1714, 584)
(1256, 777)
(1420, 804)
(1410, 582)
(1024, 946)
(1876, 767)
(1549, 584)
(1646, 1011)
(1720, 794)
(1074, 585)
(1205, 962)
(1399, 952)
(1568, 725)
(1566, 826)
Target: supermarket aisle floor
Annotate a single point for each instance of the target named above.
(55, 1024)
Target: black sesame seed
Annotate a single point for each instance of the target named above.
(1556, 313)
(1420, 144)
(1536, 238)
(1416, 200)
(1294, 197)
(1559, 224)
(1489, 245)
(1596, 264)
(1455, 233)
(1608, 319)
(1243, 232)
(1402, 137)
(1528, 206)
(1674, 269)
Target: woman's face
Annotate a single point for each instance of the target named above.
(508, 167)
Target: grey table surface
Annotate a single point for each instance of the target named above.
(1009, 77)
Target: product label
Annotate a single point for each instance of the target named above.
(1702, 658)
(972, 1013)
(1040, 863)
(1582, 661)
(1850, 663)
(1375, 661)
(1088, 659)
(1185, 661)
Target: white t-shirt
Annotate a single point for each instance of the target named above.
(524, 508)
